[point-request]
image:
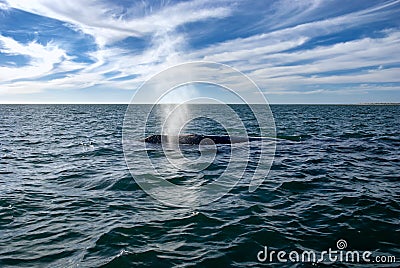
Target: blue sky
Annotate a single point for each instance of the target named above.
(58, 51)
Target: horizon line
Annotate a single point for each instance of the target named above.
(172, 103)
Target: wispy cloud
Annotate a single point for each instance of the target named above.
(108, 24)
(282, 59)
(302, 47)
(42, 60)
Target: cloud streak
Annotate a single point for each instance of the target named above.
(301, 48)
(107, 24)
(42, 60)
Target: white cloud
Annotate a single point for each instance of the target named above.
(107, 26)
(273, 59)
(42, 59)
(3, 6)
(356, 61)
(265, 59)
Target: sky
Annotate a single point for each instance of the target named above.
(309, 51)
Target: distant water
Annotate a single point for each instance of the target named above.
(67, 198)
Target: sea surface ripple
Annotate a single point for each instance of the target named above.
(67, 198)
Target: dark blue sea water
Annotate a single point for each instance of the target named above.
(67, 198)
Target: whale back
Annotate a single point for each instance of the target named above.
(195, 139)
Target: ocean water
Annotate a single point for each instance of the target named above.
(67, 198)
